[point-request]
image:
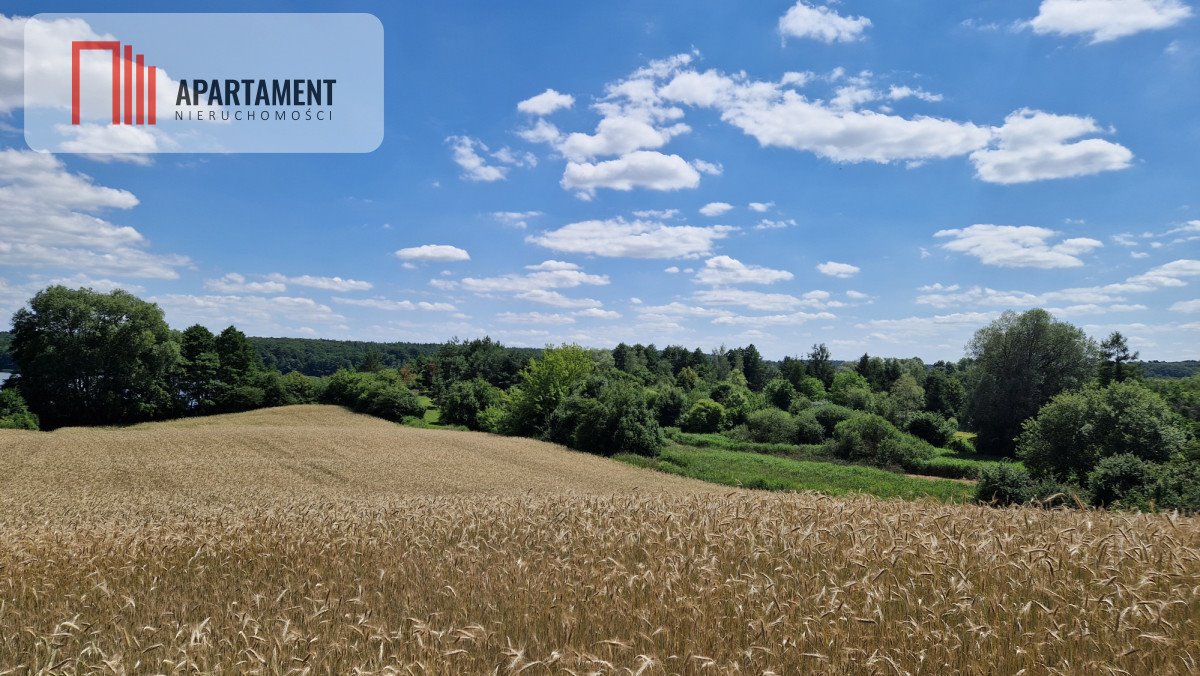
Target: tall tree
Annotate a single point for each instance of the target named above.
(820, 364)
(89, 358)
(1020, 361)
(1116, 361)
(754, 368)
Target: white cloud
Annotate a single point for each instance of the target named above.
(556, 299)
(261, 315)
(710, 168)
(899, 93)
(323, 283)
(715, 208)
(723, 270)
(632, 239)
(534, 318)
(1033, 146)
(754, 300)
(761, 207)
(475, 168)
(660, 214)
(821, 23)
(839, 270)
(548, 275)
(235, 283)
(394, 305)
(597, 313)
(768, 224)
(1106, 20)
(515, 219)
(1017, 246)
(640, 169)
(792, 319)
(546, 103)
(1188, 306)
(48, 220)
(433, 252)
(856, 295)
(1168, 275)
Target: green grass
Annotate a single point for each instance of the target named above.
(432, 415)
(724, 443)
(753, 470)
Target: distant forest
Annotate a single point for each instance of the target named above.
(323, 357)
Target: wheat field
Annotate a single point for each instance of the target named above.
(312, 540)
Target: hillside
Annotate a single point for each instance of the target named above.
(303, 451)
(313, 538)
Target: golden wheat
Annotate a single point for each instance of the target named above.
(310, 540)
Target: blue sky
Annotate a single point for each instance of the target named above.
(878, 176)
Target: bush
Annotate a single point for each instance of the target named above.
(931, 427)
(380, 393)
(1004, 484)
(668, 405)
(811, 387)
(829, 415)
(464, 401)
(808, 429)
(704, 416)
(14, 414)
(771, 426)
(960, 445)
(1178, 485)
(1073, 432)
(779, 393)
(1121, 480)
(871, 439)
(618, 420)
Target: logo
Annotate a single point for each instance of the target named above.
(144, 82)
(140, 84)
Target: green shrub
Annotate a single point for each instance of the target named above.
(871, 439)
(811, 387)
(1004, 484)
(618, 420)
(931, 427)
(669, 403)
(779, 393)
(771, 426)
(808, 429)
(960, 445)
(829, 415)
(390, 401)
(1121, 480)
(14, 414)
(704, 416)
(464, 401)
(1178, 485)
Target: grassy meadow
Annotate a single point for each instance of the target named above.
(312, 540)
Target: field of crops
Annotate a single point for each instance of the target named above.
(313, 540)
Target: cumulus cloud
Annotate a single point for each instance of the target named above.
(515, 219)
(723, 270)
(761, 207)
(323, 283)
(466, 153)
(546, 103)
(236, 283)
(839, 270)
(618, 237)
(715, 208)
(442, 253)
(1188, 306)
(1033, 146)
(49, 219)
(269, 315)
(556, 299)
(754, 300)
(1105, 20)
(821, 23)
(395, 305)
(640, 169)
(1017, 246)
(548, 275)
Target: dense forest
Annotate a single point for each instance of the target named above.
(1035, 408)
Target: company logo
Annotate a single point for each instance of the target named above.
(143, 82)
(219, 83)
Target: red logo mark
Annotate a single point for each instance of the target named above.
(145, 82)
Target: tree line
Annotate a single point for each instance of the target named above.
(1080, 416)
